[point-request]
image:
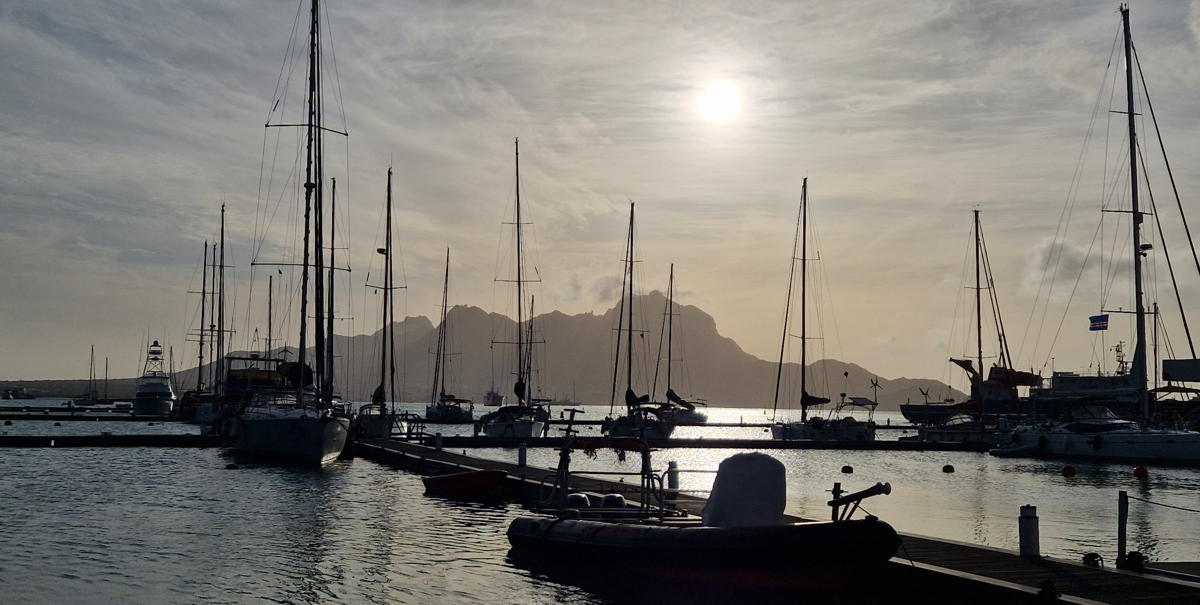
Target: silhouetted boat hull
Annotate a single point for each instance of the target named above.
(470, 484)
(822, 555)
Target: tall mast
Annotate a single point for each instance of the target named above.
(629, 334)
(1139, 351)
(439, 372)
(521, 383)
(328, 382)
(212, 318)
(978, 315)
(803, 297)
(312, 193)
(787, 307)
(220, 359)
(670, 320)
(203, 303)
(270, 310)
(387, 291)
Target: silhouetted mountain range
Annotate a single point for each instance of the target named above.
(574, 360)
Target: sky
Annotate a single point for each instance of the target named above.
(124, 125)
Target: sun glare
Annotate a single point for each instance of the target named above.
(720, 103)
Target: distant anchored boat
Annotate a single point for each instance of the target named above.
(154, 395)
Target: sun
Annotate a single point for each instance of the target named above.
(720, 103)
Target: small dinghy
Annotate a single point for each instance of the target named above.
(741, 537)
(471, 485)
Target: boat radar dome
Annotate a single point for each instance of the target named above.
(750, 491)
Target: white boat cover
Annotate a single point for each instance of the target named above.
(750, 491)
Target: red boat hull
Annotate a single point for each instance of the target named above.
(471, 484)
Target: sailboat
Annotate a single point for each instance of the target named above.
(526, 418)
(89, 397)
(641, 418)
(679, 410)
(816, 428)
(1091, 430)
(301, 421)
(379, 418)
(153, 394)
(444, 407)
(996, 394)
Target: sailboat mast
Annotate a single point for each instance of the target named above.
(670, 321)
(803, 297)
(329, 299)
(439, 371)
(212, 318)
(312, 188)
(978, 312)
(1139, 351)
(220, 359)
(203, 303)
(387, 292)
(787, 307)
(629, 334)
(270, 310)
(521, 396)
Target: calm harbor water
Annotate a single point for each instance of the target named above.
(173, 526)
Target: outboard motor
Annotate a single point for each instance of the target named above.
(750, 491)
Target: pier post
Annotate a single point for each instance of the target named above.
(521, 455)
(1122, 520)
(1027, 526)
(672, 480)
(437, 441)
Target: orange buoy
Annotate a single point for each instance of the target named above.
(848, 469)
(1141, 472)
(949, 468)
(1068, 471)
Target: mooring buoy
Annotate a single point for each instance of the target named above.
(57, 424)
(1141, 472)
(848, 469)
(231, 467)
(949, 468)
(1068, 471)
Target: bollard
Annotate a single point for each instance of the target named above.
(1122, 520)
(672, 480)
(437, 441)
(1027, 525)
(521, 459)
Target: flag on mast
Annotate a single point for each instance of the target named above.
(1099, 322)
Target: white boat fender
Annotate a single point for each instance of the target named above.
(750, 490)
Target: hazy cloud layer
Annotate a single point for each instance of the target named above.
(123, 126)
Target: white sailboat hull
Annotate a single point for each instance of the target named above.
(1134, 445)
(308, 439)
(830, 430)
(521, 428)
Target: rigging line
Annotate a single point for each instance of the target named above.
(787, 307)
(1166, 255)
(1190, 510)
(1072, 191)
(336, 79)
(1175, 190)
(1078, 279)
